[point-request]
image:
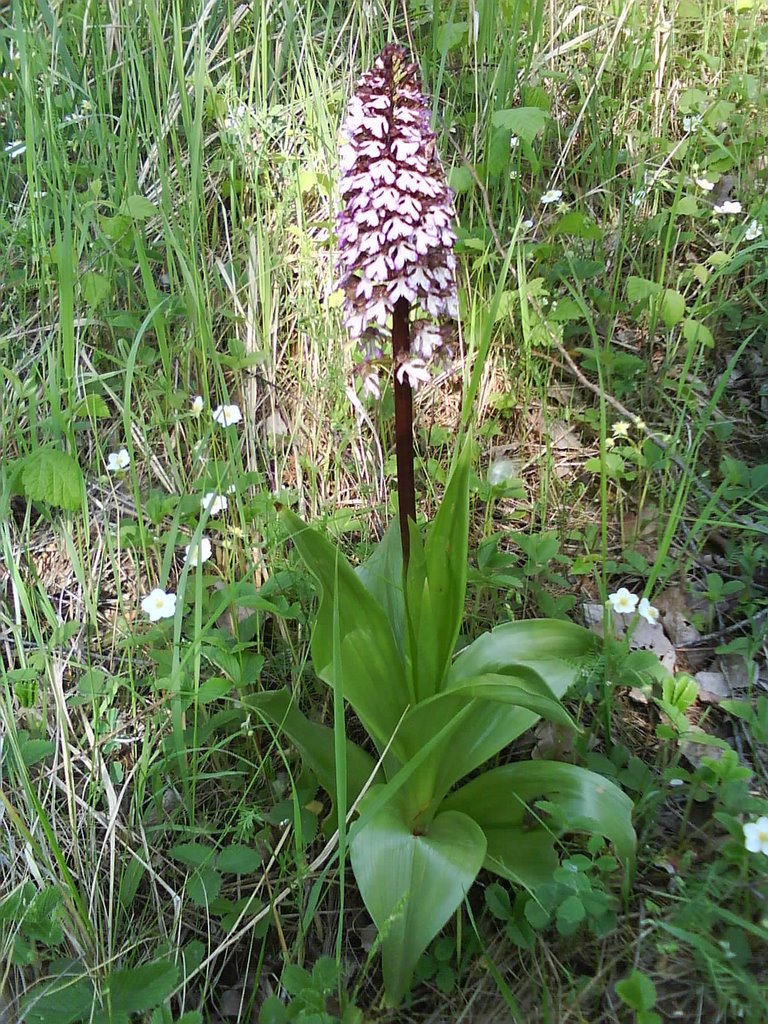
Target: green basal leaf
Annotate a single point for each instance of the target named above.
(445, 557)
(555, 649)
(487, 721)
(382, 577)
(412, 883)
(589, 802)
(315, 741)
(524, 856)
(373, 673)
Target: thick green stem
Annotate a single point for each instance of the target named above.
(406, 489)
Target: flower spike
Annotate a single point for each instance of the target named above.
(396, 244)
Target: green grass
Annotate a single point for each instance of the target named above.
(163, 235)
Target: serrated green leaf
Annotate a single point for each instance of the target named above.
(58, 1001)
(53, 477)
(536, 915)
(95, 288)
(138, 207)
(33, 751)
(570, 914)
(696, 333)
(204, 886)
(576, 224)
(640, 289)
(136, 989)
(91, 407)
(460, 178)
(672, 307)
(194, 855)
(498, 902)
(525, 122)
(637, 991)
(239, 859)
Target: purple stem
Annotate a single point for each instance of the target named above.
(406, 490)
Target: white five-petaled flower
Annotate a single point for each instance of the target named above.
(197, 405)
(705, 184)
(213, 503)
(552, 195)
(159, 605)
(754, 231)
(621, 429)
(15, 149)
(118, 461)
(692, 124)
(756, 836)
(227, 415)
(623, 602)
(648, 612)
(196, 554)
(728, 206)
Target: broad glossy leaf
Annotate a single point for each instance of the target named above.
(588, 801)
(553, 648)
(483, 701)
(382, 577)
(411, 884)
(523, 856)
(373, 673)
(445, 558)
(315, 741)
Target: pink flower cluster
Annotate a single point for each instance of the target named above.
(395, 235)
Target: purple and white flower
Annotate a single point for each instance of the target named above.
(395, 234)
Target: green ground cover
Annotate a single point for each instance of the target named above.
(175, 374)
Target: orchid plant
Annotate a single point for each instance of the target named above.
(386, 633)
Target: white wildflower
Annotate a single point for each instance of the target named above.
(196, 554)
(214, 503)
(118, 461)
(648, 612)
(553, 195)
(705, 184)
(197, 405)
(728, 206)
(753, 231)
(15, 149)
(621, 429)
(623, 602)
(227, 415)
(756, 836)
(159, 605)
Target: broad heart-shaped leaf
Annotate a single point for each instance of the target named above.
(411, 884)
(588, 801)
(315, 741)
(373, 676)
(436, 612)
